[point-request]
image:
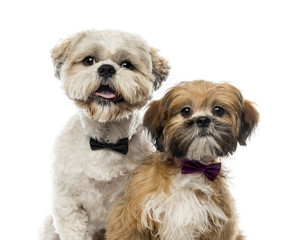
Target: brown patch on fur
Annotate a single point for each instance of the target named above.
(250, 119)
(152, 177)
(153, 121)
(100, 235)
(60, 53)
(94, 111)
(160, 68)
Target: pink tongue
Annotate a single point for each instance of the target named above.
(105, 94)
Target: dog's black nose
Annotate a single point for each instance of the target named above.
(203, 121)
(106, 70)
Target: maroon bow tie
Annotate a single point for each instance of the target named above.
(211, 170)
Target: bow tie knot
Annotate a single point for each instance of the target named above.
(122, 146)
(210, 171)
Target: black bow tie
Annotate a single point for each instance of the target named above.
(122, 146)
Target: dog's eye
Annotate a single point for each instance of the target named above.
(186, 112)
(89, 61)
(127, 64)
(218, 111)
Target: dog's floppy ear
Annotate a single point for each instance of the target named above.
(160, 68)
(249, 120)
(59, 55)
(153, 121)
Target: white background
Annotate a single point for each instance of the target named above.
(255, 45)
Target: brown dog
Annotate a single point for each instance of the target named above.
(182, 193)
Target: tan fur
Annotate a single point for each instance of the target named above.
(153, 177)
(158, 178)
(160, 67)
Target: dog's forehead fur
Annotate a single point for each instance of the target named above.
(110, 44)
(203, 95)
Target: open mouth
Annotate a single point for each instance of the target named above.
(106, 93)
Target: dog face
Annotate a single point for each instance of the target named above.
(201, 120)
(107, 73)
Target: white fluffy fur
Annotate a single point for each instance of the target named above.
(181, 214)
(86, 182)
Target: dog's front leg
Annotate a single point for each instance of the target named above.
(71, 222)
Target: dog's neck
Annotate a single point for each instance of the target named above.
(112, 131)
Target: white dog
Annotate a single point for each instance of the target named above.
(109, 75)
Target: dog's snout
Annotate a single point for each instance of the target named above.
(203, 121)
(106, 70)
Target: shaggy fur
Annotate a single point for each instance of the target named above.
(86, 182)
(159, 201)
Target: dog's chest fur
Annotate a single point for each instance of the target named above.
(92, 179)
(187, 211)
(96, 198)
